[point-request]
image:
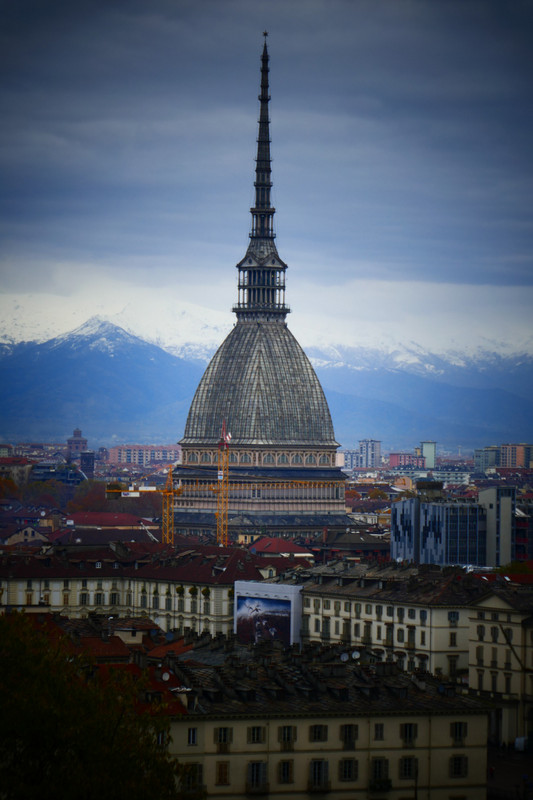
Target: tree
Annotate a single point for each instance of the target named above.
(65, 732)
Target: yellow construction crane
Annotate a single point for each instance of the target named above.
(223, 487)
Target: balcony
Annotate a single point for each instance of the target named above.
(319, 786)
(348, 744)
(262, 787)
(380, 785)
(286, 747)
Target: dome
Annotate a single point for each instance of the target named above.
(261, 383)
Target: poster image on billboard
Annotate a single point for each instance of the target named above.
(260, 619)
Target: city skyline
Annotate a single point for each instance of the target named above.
(401, 164)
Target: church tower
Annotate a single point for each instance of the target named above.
(262, 387)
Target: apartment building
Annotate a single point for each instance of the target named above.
(144, 454)
(188, 590)
(304, 722)
(501, 660)
(421, 623)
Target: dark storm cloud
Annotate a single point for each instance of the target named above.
(401, 137)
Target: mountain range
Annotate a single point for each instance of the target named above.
(119, 387)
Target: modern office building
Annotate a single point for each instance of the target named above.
(439, 532)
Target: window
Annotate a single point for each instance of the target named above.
(423, 616)
(307, 602)
(368, 608)
(318, 773)
(256, 774)
(223, 738)
(379, 732)
(458, 732)
(453, 640)
(479, 655)
(207, 607)
(349, 735)
(380, 769)
(494, 681)
(357, 630)
(494, 633)
(453, 617)
(144, 601)
(401, 612)
(408, 733)
(326, 605)
(400, 635)
(84, 598)
(347, 607)
(390, 611)
(286, 772)
(317, 626)
(337, 606)
(348, 769)
(192, 736)
(168, 603)
(222, 773)
(318, 733)
(480, 632)
(507, 684)
(192, 777)
(508, 633)
(99, 599)
(287, 736)
(452, 665)
(256, 734)
(423, 638)
(408, 767)
(411, 613)
(458, 766)
(66, 583)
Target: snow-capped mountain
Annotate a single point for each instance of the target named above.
(118, 387)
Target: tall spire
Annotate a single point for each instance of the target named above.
(262, 272)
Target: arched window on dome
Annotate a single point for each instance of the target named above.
(233, 458)
(192, 458)
(268, 458)
(297, 459)
(246, 458)
(283, 458)
(310, 460)
(324, 460)
(206, 458)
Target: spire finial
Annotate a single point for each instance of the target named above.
(262, 272)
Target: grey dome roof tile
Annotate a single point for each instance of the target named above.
(261, 383)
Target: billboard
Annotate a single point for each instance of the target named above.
(267, 612)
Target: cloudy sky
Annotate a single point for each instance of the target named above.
(402, 163)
